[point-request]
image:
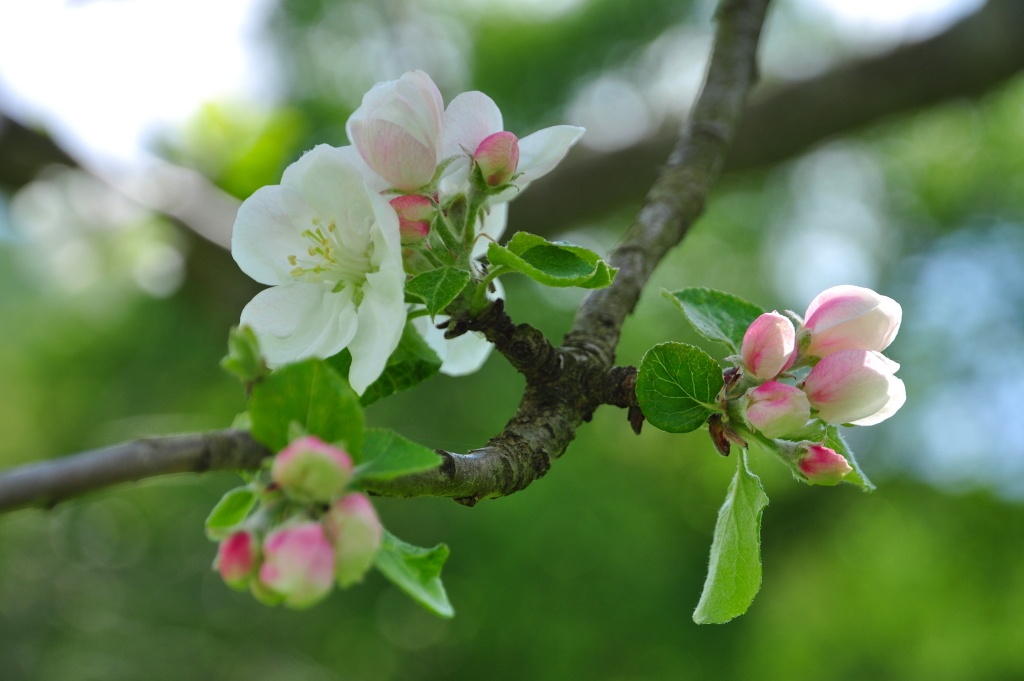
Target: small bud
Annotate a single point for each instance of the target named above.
(768, 345)
(821, 465)
(355, 532)
(777, 409)
(309, 468)
(414, 216)
(298, 564)
(237, 559)
(855, 386)
(498, 157)
(851, 318)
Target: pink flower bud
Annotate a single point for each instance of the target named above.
(855, 386)
(298, 564)
(355, 532)
(498, 158)
(414, 216)
(309, 468)
(851, 318)
(777, 409)
(237, 558)
(768, 345)
(821, 465)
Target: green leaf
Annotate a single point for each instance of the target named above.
(231, 510)
(717, 316)
(834, 440)
(386, 454)
(677, 387)
(416, 571)
(734, 571)
(313, 395)
(437, 288)
(557, 263)
(243, 358)
(411, 363)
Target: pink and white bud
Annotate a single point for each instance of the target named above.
(355, 532)
(855, 386)
(298, 564)
(768, 346)
(237, 559)
(311, 469)
(777, 409)
(851, 318)
(415, 214)
(498, 157)
(821, 465)
(398, 130)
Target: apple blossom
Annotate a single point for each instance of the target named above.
(768, 345)
(855, 386)
(414, 216)
(355, 533)
(777, 409)
(851, 318)
(309, 468)
(821, 465)
(298, 564)
(497, 157)
(330, 250)
(237, 558)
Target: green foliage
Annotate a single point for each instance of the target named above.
(243, 358)
(835, 441)
(677, 387)
(558, 263)
(715, 315)
(437, 288)
(231, 510)
(416, 571)
(313, 395)
(386, 454)
(734, 570)
(411, 363)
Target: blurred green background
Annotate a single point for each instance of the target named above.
(593, 572)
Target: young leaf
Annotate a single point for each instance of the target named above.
(834, 440)
(313, 395)
(386, 454)
(416, 571)
(437, 288)
(734, 571)
(717, 316)
(232, 509)
(557, 263)
(411, 363)
(677, 386)
(243, 358)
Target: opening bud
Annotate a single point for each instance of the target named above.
(237, 559)
(768, 346)
(821, 465)
(777, 409)
(497, 157)
(414, 216)
(298, 564)
(309, 468)
(851, 318)
(355, 532)
(855, 386)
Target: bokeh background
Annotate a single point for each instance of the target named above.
(131, 127)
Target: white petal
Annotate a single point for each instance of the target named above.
(301, 320)
(469, 118)
(264, 236)
(897, 397)
(374, 182)
(381, 320)
(540, 152)
(335, 190)
(493, 226)
(459, 356)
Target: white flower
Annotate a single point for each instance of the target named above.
(330, 250)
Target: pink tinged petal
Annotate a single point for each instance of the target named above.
(852, 385)
(498, 157)
(237, 559)
(301, 320)
(469, 118)
(374, 182)
(821, 465)
(382, 314)
(355, 533)
(768, 345)
(298, 564)
(394, 154)
(777, 409)
(264, 236)
(312, 470)
(851, 318)
(414, 216)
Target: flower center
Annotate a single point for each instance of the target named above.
(343, 259)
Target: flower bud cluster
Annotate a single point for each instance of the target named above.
(310, 534)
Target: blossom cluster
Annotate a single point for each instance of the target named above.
(850, 381)
(295, 557)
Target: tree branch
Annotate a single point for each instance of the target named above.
(564, 386)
